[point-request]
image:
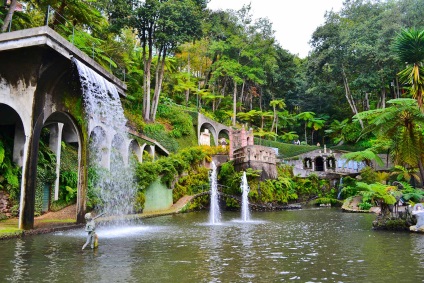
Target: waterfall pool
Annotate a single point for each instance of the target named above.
(308, 245)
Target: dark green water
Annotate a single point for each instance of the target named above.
(321, 245)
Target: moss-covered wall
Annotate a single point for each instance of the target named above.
(158, 197)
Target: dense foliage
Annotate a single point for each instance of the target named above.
(361, 87)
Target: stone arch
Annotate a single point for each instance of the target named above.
(224, 134)
(99, 147)
(331, 162)
(149, 150)
(134, 149)
(118, 151)
(12, 125)
(62, 127)
(319, 163)
(307, 163)
(211, 130)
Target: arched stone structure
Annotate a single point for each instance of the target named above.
(307, 163)
(100, 147)
(135, 149)
(40, 87)
(214, 127)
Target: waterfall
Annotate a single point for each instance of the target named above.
(340, 188)
(114, 183)
(245, 214)
(214, 214)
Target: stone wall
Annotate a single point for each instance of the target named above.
(5, 204)
(258, 158)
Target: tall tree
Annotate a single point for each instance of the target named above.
(162, 26)
(409, 47)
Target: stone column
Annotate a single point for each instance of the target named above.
(19, 145)
(22, 221)
(324, 160)
(152, 151)
(231, 149)
(55, 143)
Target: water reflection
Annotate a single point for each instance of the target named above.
(307, 246)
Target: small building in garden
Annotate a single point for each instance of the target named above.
(328, 164)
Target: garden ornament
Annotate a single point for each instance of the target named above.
(90, 227)
(418, 211)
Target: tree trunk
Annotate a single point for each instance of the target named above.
(188, 71)
(274, 120)
(241, 95)
(349, 97)
(421, 168)
(383, 98)
(158, 86)
(9, 15)
(147, 77)
(234, 103)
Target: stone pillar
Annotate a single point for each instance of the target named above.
(231, 138)
(19, 145)
(324, 160)
(243, 137)
(22, 221)
(152, 151)
(250, 140)
(313, 165)
(55, 143)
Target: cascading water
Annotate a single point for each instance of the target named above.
(245, 214)
(340, 188)
(113, 183)
(214, 214)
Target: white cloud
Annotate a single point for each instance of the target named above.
(293, 20)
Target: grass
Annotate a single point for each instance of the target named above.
(9, 227)
(286, 150)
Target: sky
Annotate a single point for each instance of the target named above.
(294, 21)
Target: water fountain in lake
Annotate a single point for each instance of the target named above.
(245, 214)
(214, 214)
(114, 185)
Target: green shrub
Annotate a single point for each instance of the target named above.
(365, 206)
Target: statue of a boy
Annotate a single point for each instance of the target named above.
(90, 227)
(418, 211)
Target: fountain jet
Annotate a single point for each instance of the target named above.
(245, 214)
(214, 214)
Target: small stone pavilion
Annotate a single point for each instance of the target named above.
(247, 155)
(327, 164)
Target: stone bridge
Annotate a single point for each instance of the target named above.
(216, 129)
(39, 89)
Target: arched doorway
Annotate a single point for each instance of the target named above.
(319, 163)
(58, 164)
(12, 143)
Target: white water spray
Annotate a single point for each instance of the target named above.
(245, 214)
(214, 214)
(114, 184)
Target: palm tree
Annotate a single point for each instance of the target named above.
(336, 130)
(402, 122)
(409, 47)
(306, 117)
(404, 173)
(366, 156)
(315, 124)
(279, 103)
